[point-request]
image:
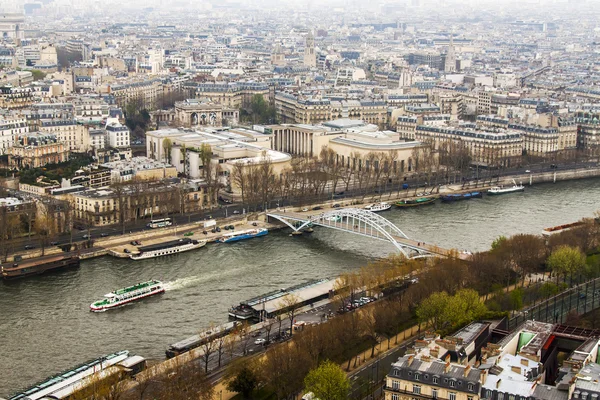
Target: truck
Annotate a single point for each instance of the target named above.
(210, 222)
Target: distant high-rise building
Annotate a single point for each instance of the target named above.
(450, 63)
(310, 59)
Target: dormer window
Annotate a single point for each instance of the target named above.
(452, 383)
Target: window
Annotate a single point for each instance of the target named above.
(416, 389)
(469, 397)
(452, 383)
(434, 393)
(395, 396)
(396, 372)
(470, 386)
(417, 377)
(435, 379)
(451, 396)
(500, 396)
(396, 385)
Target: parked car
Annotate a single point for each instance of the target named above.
(304, 209)
(188, 234)
(236, 212)
(86, 236)
(226, 227)
(218, 229)
(135, 243)
(53, 243)
(260, 341)
(553, 166)
(103, 234)
(254, 224)
(317, 208)
(336, 205)
(29, 247)
(233, 227)
(204, 232)
(126, 251)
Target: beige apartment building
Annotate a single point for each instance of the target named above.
(492, 147)
(76, 137)
(147, 92)
(290, 109)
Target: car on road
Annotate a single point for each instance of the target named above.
(553, 166)
(317, 208)
(29, 247)
(53, 243)
(236, 212)
(135, 243)
(205, 233)
(86, 236)
(103, 234)
(527, 171)
(336, 205)
(126, 251)
(304, 209)
(259, 341)
(188, 234)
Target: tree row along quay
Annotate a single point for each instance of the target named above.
(447, 296)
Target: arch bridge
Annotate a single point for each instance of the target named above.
(359, 222)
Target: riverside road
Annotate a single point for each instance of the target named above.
(47, 326)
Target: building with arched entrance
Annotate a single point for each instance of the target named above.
(194, 113)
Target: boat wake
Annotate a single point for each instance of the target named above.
(183, 283)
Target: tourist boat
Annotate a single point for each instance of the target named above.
(242, 235)
(462, 196)
(167, 248)
(415, 202)
(38, 266)
(127, 295)
(496, 190)
(377, 207)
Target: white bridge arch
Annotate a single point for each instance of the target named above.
(358, 221)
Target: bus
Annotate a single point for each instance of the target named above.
(159, 223)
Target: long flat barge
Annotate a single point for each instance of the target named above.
(561, 228)
(64, 384)
(38, 266)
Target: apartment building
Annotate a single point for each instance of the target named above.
(75, 136)
(10, 128)
(492, 147)
(117, 135)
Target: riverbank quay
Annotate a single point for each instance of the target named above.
(116, 244)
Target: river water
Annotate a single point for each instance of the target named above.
(46, 326)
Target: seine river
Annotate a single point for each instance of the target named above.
(46, 326)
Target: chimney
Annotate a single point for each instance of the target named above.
(447, 359)
(483, 376)
(525, 362)
(498, 383)
(467, 370)
(410, 360)
(447, 367)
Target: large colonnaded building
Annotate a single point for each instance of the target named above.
(352, 140)
(523, 365)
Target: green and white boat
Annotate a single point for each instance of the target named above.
(127, 295)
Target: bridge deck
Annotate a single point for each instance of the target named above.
(304, 217)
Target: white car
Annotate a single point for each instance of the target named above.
(260, 341)
(304, 209)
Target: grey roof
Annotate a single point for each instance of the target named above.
(546, 392)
